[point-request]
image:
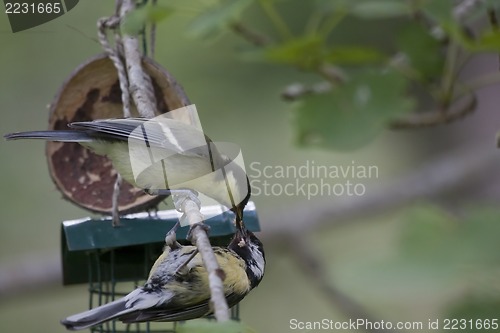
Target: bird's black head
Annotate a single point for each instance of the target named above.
(251, 250)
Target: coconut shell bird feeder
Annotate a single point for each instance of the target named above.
(115, 260)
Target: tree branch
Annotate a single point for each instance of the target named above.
(434, 118)
(445, 174)
(461, 10)
(251, 36)
(455, 170)
(492, 17)
(29, 275)
(198, 236)
(140, 85)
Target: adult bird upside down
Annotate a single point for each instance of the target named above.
(178, 287)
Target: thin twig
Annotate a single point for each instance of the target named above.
(434, 118)
(152, 41)
(199, 238)
(450, 72)
(152, 36)
(140, 85)
(115, 203)
(492, 16)
(461, 10)
(333, 74)
(251, 36)
(276, 19)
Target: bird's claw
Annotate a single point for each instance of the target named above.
(181, 195)
(197, 225)
(171, 237)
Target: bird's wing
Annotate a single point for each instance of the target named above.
(118, 129)
(168, 265)
(177, 309)
(163, 133)
(177, 313)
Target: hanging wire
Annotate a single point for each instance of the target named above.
(115, 54)
(152, 36)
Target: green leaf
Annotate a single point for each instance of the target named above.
(352, 114)
(305, 52)
(327, 6)
(136, 20)
(489, 40)
(380, 9)
(425, 232)
(308, 52)
(211, 326)
(212, 21)
(422, 50)
(354, 55)
(438, 10)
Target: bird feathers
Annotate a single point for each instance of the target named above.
(64, 136)
(95, 316)
(177, 289)
(159, 153)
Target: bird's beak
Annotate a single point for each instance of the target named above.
(240, 225)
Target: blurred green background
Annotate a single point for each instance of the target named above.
(435, 257)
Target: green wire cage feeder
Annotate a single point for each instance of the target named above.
(115, 260)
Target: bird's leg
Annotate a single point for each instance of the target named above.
(186, 201)
(178, 195)
(114, 199)
(171, 237)
(198, 225)
(153, 212)
(195, 252)
(188, 237)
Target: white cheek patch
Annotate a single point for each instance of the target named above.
(242, 243)
(258, 268)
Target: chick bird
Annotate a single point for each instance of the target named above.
(159, 155)
(177, 287)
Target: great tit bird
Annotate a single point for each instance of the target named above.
(160, 155)
(178, 287)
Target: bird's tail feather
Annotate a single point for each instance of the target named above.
(97, 315)
(65, 136)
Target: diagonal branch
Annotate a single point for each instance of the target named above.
(198, 236)
(251, 36)
(444, 174)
